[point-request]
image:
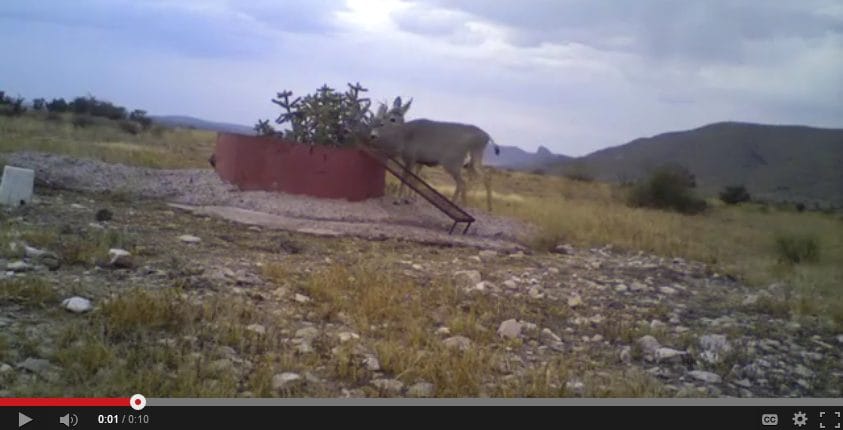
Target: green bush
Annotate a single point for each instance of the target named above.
(130, 127)
(38, 104)
(797, 249)
(139, 116)
(668, 189)
(58, 106)
(734, 195)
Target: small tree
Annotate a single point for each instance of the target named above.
(38, 104)
(734, 194)
(140, 117)
(58, 106)
(667, 188)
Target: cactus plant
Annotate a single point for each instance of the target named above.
(325, 117)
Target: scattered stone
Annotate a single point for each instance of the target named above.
(637, 286)
(535, 293)
(750, 300)
(461, 343)
(649, 345)
(715, 348)
(285, 380)
(667, 290)
(417, 267)
(256, 328)
(347, 336)
(564, 249)
(597, 338)
(517, 255)
(223, 365)
(103, 215)
(468, 277)
(119, 258)
(621, 288)
(301, 298)
(443, 331)
(840, 338)
(5, 368)
(548, 336)
(487, 254)
(389, 386)
(553, 270)
(576, 387)
(707, 377)
(307, 333)
(657, 325)
(803, 371)
(19, 266)
(371, 362)
(44, 258)
(186, 238)
(77, 304)
(574, 301)
(626, 355)
(35, 365)
(745, 383)
(421, 389)
(669, 355)
(510, 284)
(510, 329)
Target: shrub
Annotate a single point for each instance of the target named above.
(38, 104)
(669, 189)
(140, 117)
(797, 249)
(10, 106)
(800, 207)
(58, 105)
(734, 195)
(54, 116)
(129, 126)
(82, 120)
(263, 128)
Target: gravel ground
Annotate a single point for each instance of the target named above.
(376, 218)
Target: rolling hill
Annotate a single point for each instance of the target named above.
(774, 162)
(201, 124)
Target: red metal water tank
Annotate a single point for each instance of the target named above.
(274, 164)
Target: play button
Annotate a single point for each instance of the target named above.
(23, 419)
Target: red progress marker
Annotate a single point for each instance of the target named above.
(65, 401)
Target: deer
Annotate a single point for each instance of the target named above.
(424, 142)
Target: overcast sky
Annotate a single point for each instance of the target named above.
(572, 75)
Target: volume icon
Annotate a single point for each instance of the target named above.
(69, 420)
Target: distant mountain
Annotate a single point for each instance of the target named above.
(516, 158)
(201, 124)
(775, 162)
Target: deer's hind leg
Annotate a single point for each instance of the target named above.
(455, 172)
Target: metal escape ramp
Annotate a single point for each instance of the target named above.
(424, 189)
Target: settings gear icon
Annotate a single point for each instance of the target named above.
(800, 419)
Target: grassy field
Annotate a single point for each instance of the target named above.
(743, 241)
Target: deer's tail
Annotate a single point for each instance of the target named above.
(497, 148)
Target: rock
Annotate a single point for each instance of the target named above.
(461, 343)
(421, 389)
(803, 371)
(19, 266)
(576, 387)
(223, 365)
(564, 249)
(669, 355)
(103, 215)
(5, 368)
(371, 362)
(77, 304)
(307, 333)
(715, 348)
(745, 383)
(44, 258)
(840, 338)
(621, 288)
(597, 338)
(467, 277)
(256, 328)
(226, 351)
(750, 300)
(510, 284)
(657, 325)
(510, 329)
(35, 365)
(301, 298)
(389, 386)
(285, 380)
(637, 286)
(443, 331)
(553, 270)
(707, 377)
(625, 355)
(548, 336)
(535, 293)
(304, 347)
(347, 336)
(483, 286)
(487, 254)
(186, 238)
(517, 255)
(667, 290)
(119, 258)
(649, 345)
(417, 267)
(574, 301)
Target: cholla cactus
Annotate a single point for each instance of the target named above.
(326, 117)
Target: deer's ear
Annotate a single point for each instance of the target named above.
(406, 107)
(397, 103)
(381, 111)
